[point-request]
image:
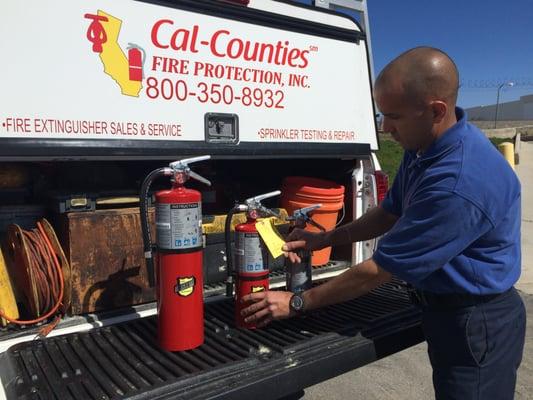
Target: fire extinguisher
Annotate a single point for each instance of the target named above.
(178, 220)
(251, 258)
(298, 276)
(136, 59)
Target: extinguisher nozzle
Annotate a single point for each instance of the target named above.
(150, 271)
(229, 286)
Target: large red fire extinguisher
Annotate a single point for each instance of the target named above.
(179, 256)
(251, 270)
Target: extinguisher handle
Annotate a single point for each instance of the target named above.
(257, 199)
(199, 178)
(316, 224)
(306, 210)
(301, 217)
(182, 164)
(267, 211)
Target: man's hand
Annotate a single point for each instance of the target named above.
(301, 239)
(267, 306)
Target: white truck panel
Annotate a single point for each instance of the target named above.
(54, 85)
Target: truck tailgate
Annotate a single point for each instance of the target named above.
(124, 361)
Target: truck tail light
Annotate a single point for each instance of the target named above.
(382, 185)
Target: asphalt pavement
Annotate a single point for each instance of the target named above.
(407, 375)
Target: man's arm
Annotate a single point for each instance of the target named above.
(375, 222)
(355, 282)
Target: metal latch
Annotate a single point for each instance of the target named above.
(221, 128)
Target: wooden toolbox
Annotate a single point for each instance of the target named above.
(105, 252)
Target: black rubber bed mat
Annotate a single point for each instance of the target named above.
(123, 361)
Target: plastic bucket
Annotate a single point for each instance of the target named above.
(298, 192)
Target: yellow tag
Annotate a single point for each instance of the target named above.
(270, 236)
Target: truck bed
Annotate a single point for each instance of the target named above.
(124, 360)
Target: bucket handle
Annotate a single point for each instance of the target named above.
(342, 215)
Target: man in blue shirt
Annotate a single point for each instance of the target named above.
(451, 228)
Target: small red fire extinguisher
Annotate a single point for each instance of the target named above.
(251, 259)
(179, 256)
(136, 58)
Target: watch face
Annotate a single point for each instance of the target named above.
(297, 302)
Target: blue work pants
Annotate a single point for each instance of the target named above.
(475, 351)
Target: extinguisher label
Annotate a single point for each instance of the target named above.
(179, 226)
(251, 254)
(185, 286)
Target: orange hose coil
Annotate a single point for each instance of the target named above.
(48, 273)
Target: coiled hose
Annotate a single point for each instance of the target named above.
(48, 278)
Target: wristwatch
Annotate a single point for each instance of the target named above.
(296, 303)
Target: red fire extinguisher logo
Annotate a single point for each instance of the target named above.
(185, 286)
(126, 68)
(136, 57)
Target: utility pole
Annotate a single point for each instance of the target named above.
(510, 84)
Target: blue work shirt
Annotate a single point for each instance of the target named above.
(459, 209)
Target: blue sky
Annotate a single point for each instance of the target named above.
(490, 41)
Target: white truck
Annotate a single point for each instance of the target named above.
(96, 93)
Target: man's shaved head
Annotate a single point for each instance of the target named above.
(422, 74)
(416, 93)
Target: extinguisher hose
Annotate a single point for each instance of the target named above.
(147, 241)
(229, 254)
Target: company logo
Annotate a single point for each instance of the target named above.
(256, 289)
(223, 43)
(127, 71)
(185, 286)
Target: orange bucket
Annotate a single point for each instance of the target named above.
(298, 192)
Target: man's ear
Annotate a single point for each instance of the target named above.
(439, 109)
